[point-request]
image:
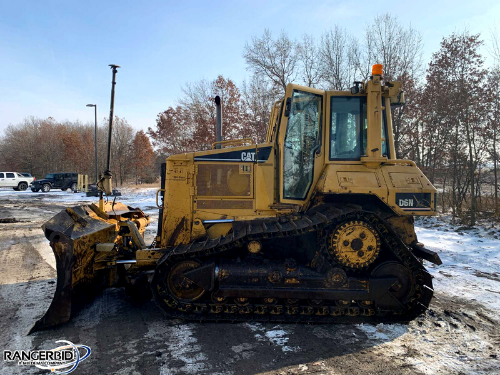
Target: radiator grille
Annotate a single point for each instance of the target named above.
(226, 180)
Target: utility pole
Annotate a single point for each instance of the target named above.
(111, 109)
(106, 178)
(95, 140)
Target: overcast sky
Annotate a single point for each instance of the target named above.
(54, 55)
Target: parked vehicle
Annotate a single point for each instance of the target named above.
(63, 181)
(15, 180)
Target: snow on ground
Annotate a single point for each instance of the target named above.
(471, 259)
(144, 198)
(136, 197)
(458, 334)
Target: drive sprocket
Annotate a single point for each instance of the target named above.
(354, 244)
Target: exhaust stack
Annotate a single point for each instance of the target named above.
(218, 121)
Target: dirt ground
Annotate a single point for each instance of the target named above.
(455, 336)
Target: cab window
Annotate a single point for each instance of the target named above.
(348, 116)
(302, 140)
(2, 175)
(348, 128)
(10, 175)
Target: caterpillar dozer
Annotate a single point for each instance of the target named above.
(316, 224)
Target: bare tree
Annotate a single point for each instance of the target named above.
(399, 50)
(494, 46)
(143, 158)
(276, 59)
(122, 139)
(456, 83)
(310, 61)
(41, 146)
(191, 125)
(258, 97)
(494, 112)
(494, 120)
(339, 53)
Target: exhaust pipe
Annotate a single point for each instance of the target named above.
(218, 121)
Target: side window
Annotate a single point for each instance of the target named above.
(348, 118)
(2, 175)
(67, 175)
(10, 175)
(301, 143)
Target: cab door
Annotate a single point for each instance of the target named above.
(58, 180)
(301, 143)
(10, 180)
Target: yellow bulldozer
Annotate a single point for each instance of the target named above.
(316, 224)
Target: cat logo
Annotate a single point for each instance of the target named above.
(248, 156)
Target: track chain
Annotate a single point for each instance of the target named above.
(286, 227)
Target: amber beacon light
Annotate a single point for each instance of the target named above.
(377, 70)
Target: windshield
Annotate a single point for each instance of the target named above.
(49, 176)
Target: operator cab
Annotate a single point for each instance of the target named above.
(318, 127)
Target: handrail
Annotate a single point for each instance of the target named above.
(401, 161)
(233, 142)
(158, 192)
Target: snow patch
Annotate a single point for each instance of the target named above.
(184, 353)
(383, 332)
(276, 336)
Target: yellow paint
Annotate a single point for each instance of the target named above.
(354, 244)
(198, 190)
(217, 230)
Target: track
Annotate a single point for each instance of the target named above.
(305, 311)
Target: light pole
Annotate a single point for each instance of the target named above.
(95, 138)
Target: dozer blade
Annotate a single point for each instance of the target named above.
(73, 234)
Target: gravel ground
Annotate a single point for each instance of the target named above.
(458, 335)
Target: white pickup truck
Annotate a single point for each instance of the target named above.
(15, 180)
